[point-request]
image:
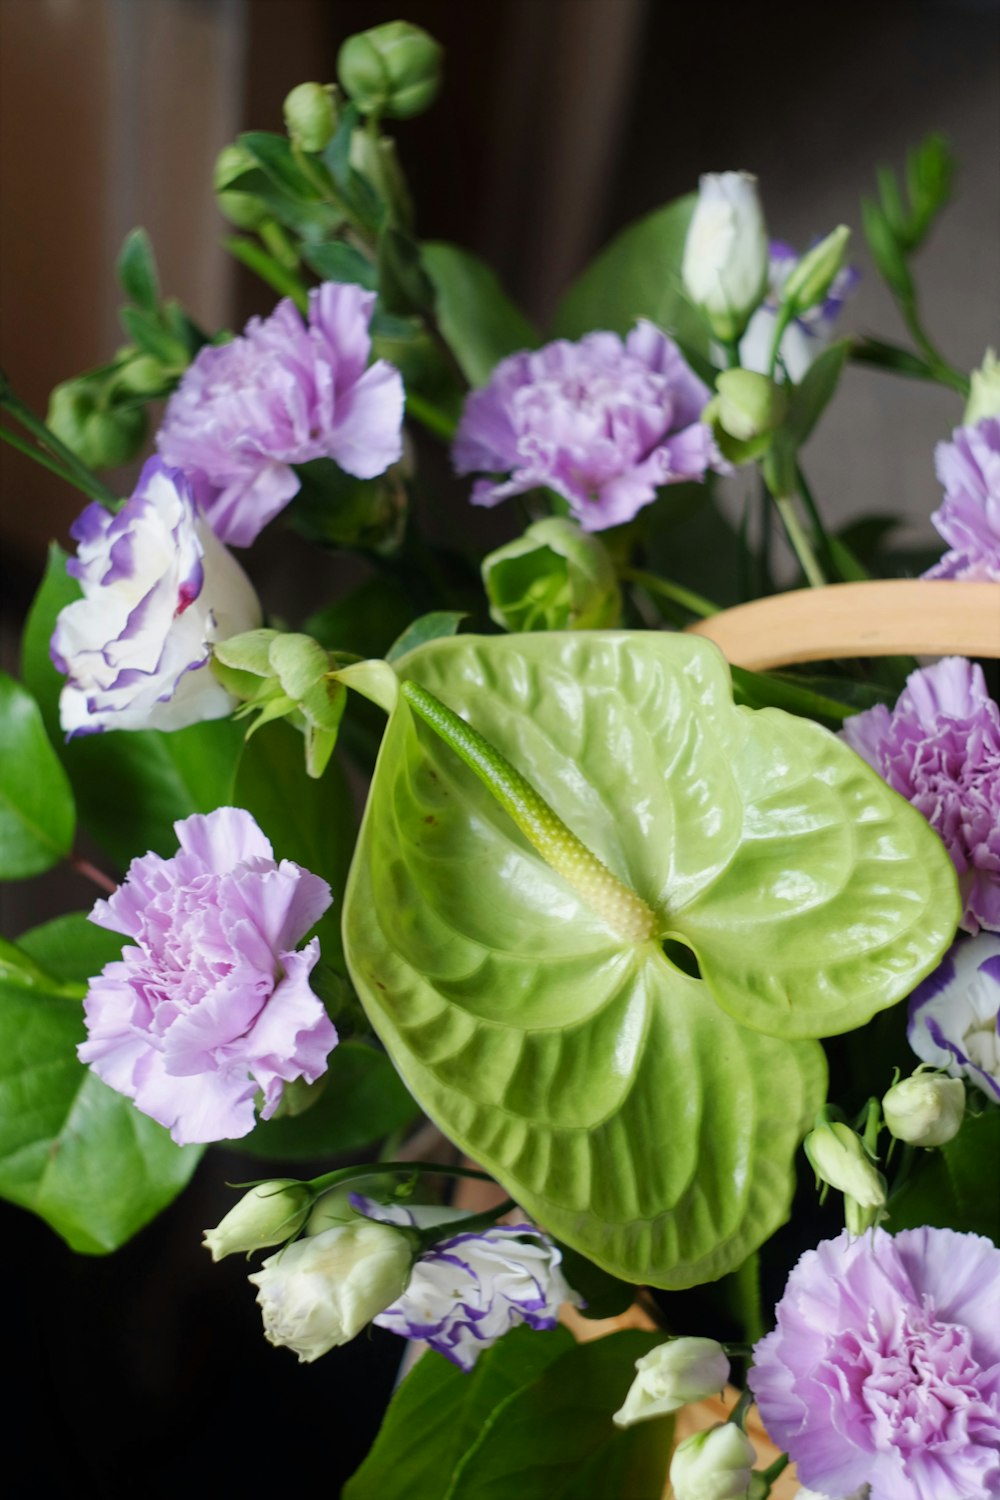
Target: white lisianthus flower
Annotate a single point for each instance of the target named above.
(270, 1213)
(713, 1465)
(725, 255)
(158, 588)
(671, 1375)
(322, 1290)
(925, 1109)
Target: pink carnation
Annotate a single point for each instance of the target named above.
(285, 393)
(940, 749)
(884, 1366)
(969, 516)
(212, 1005)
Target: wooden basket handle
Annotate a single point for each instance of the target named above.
(887, 617)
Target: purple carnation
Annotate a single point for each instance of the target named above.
(158, 588)
(807, 335)
(955, 1014)
(940, 749)
(969, 518)
(602, 422)
(884, 1366)
(468, 1291)
(284, 393)
(212, 1005)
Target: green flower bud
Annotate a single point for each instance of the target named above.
(925, 1109)
(554, 577)
(838, 1157)
(241, 209)
(310, 112)
(749, 405)
(812, 277)
(268, 1215)
(393, 70)
(142, 376)
(102, 437)
(713, 1465)
(984, 395)
(671, 1375)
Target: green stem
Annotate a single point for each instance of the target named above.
(621, 908)
(782, 319)
(430, 417)
(944, 372)
(779, 1466)
(675, 592)
(84, 478)
(471, 1224)
(747, 1281)
(376, 1168)
(819, 530)
(800, 543)
(738, 1415)
(38, 456)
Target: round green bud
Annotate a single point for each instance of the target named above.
(142, 376)
(102, 438)
(268, 1215)
(749, 405)
(925, 1109)
(810, 278)
(392, 70)
(310, 112)
(241, 209)
(554, 577)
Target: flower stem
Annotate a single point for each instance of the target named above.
(943, 372)
(781, 321)
(377, 1168)
(604, 893)
(801, 546)
(77, 471)
(471, 1224)
(91, 872)
(38, 456)
(777, 1468)
(430, 417)
(675, 592)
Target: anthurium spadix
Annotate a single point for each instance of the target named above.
(645, 1116)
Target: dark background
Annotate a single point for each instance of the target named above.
(559, 122)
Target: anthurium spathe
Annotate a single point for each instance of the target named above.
(553, 1046)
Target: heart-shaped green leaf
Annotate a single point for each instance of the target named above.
(626, 1104)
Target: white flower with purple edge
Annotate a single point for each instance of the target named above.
(884, 1366)
(469, 1290)
(285, 392)
(158, 589)
(954, 1015)
(969, 516)
(604, 422)
(807, 335)
(210, 1005)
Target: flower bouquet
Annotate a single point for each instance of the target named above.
(554, 907)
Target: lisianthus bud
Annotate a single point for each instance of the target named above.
(310, 113)
(103, 437)
(394, 69)
(984, 393)
(671, 1375)
(747, 405)
(268, 1215)
(812, 277)
(322, 1290)
(725, 255)
(925, 1109)
(713, 1465)
(554, 577)
(838, 1156)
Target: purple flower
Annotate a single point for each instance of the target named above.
(468, 1291)
(213, 1004)
(885, 1366)
(807, 335)
(602, 422)
(955, 1014)
(969, 518)
(158, 588)
(284, 393)
(940, 749)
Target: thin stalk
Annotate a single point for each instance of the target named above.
(91, 872)
(779, 1466)
(675, 592)
(781, 321)
(800, 543)
(471, 1224)
(39, 457)
(944, 372)
(375, 1169)
(430, 417)
(820, 534)
(85, 478)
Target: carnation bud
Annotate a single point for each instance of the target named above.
(671, 1375)
(310, 112)
(103, 437)
(143, 375)
(321, 1291)
(268, 1215)
(554, 577)
(748, 405)
(241, 209)
(394, 69)
(713, 1465)
(838, 1157)
(726, 255)
(925, 1109)
(812, 277)
(984, 393)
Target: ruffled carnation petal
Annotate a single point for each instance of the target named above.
(969, 517)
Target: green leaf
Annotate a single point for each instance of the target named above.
(363, 1101)
(277, 159)
(946, 1188)
(148, 332)
(137, 271)
(72, 1150)
(811, 894)
(480, 323)
(810, 398)
(431, 627)
(37, 817)
(767, 690)
(555, 1440)
(270, 271)
(338, 261)
(404, 286)
(16, 968)
(639, 276)
(438, 1412)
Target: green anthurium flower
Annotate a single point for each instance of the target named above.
(645, 1115)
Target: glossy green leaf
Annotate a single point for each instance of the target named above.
(37, 817)
(950, 1187)
(638, 276)
(478, 319)
(72, 1150)
(363, 1101)
(431, 627)
(21, 971)
(553, 1050)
